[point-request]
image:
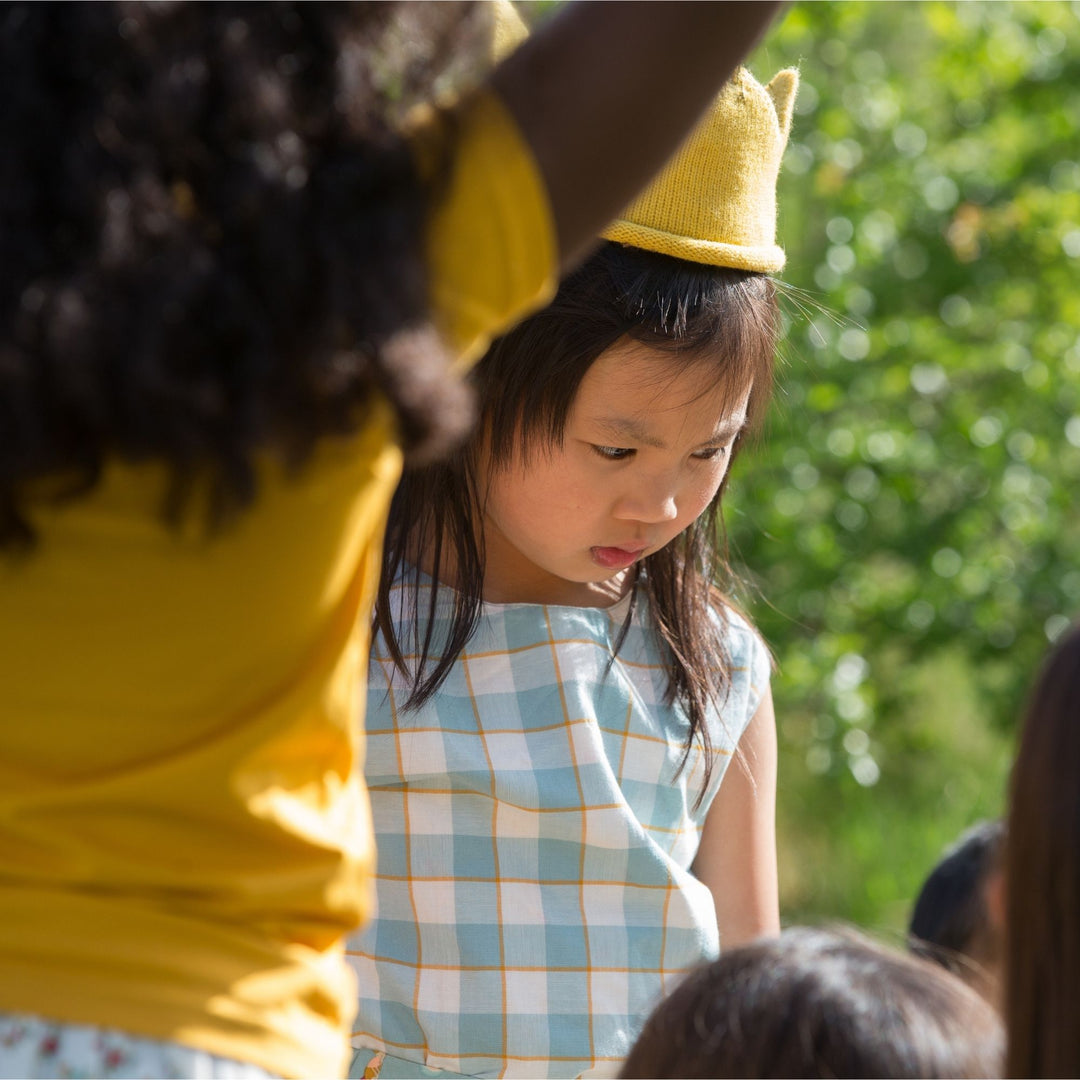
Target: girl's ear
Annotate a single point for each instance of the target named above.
(782, 89)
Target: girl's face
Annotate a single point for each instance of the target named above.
(646, 446)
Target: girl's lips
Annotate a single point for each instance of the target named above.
(615, 558)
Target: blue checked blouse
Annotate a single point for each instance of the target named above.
(535, 838)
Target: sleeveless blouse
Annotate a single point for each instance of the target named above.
(535, 835)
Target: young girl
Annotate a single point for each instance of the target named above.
(557, 687)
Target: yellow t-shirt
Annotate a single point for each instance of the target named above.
(184, 834)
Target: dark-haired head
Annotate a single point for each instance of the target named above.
(210, 233)
(715, 321)
(951, 922)
(819, 1003)
(721, 319)
(1042, 876)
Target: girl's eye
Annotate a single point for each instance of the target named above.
(711, 452)
(613, 453)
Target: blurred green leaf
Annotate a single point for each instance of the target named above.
(909, 529)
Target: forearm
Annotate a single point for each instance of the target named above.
(606, 91)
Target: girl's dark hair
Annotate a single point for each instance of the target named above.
(819, 1003)
(1042, 877)
(210, 238)
(526, 384)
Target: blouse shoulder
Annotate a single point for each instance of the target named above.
(750, 659)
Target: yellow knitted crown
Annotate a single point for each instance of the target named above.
(715, 201)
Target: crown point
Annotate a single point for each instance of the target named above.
(782, 88)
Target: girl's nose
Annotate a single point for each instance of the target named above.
(650, 503)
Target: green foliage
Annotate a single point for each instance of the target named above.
(909, 525)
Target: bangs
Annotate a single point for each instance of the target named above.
(722, 319)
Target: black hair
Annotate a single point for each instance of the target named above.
(211, 239)
(526, 383)
(819, 1003)
(950, 922)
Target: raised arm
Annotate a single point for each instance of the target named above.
(605, 92)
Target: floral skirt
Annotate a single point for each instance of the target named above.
(33, 1047)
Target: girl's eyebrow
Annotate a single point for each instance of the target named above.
(729, 427)
(632, 430)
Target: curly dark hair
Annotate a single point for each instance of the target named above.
(210, 238)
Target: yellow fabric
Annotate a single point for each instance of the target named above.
(488, 268)
(184, 835)
(715, 201)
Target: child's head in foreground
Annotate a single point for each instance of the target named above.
(953, 922)
(819, 1003)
